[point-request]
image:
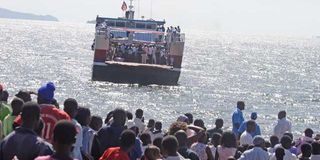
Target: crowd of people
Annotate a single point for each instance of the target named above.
(39, 129)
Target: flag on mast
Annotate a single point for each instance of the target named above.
(124, 6)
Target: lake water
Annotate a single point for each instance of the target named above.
(270, 73)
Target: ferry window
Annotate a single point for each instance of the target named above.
(130, 24)
(140, 25)
(120, 24)
(110, 23)
(149, 26)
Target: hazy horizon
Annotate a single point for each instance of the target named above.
(257, 16)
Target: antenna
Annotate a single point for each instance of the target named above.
(131, 5)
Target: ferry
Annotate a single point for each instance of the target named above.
(136, 51)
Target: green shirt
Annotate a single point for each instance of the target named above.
(4, 111)
(7, 124)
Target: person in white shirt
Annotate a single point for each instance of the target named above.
(286, 145)
(246, 137)
(256, 153)
(138, 121)
(170, 148)
(283, 125)
(274, 140)
(315, 151)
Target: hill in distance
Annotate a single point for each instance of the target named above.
(5, 13)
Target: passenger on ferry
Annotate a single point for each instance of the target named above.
(237, 117)
(170, 147)
(96, 123)
(183, 149)
(246, 137)
(217, 128)
(4, 107)
(243, 126)
(139, 120)
(157, 132)
(283, 125)
(16, 105)
(71, 108)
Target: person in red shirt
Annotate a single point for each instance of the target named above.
(127, 141)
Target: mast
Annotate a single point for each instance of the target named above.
(131, 11)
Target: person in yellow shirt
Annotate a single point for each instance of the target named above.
(16, 105)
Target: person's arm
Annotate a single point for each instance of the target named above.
(209, 153)
(95, 149)
(242, 128)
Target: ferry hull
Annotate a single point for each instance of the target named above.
(135, 74)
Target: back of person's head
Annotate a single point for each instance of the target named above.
(199, 123)
(170, 145)
(254, 115)
(46, 93)
(64, 133)
(289, 134)
(95, 123)
(139, 113)
(316, 148)
(30, 113)
(228, 139)
(258, 141)
(306, 150)
(16, 105)
(219, 123)
(127, 140)
(176, 126)
(240, 105)
(145, 139)
(251, 126)
(308, 132)
(119, 116)
(279, 153)
(190, 118)
(71, 107)
(5, 96)
(274, 140)
(286, 142)
(83, 116)
(129, 115)
(158, 125)
(152, 153)
(151, 123)
(282, 114)
(108, 117)
(157, 142)
(202, 137)
(182, 138)
(24, 95)
(216, 139)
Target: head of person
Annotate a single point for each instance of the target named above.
(279, 153)
(46, 93)
(129, 115)
(95, 123)
(71, 107)
(119, 117)
(286, 142)
(190, 118)
(199, 123)
(254, 115)
(315, 148)
(216, 139)
(306, 150)
(108, 117)
(289, 135)
(251, 126)
(240, 105)
(308, 132)
(228, 140)
(158, 126)
(16, 105)
(151, 123)
(170, 145)
(139, 113)
(127, 140)
(64, 136)
(183, 118)
(5, 96)
(30, 115)
(145, 139)
(258, 141)
(274, 140)
(152, 153)
(157, 142)
(182, 138)
(176, 126)
(219, 123)
(24, 95)
(83, 116)
(282, 114)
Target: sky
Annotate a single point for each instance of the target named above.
(257, 16)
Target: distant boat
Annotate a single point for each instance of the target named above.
(133, 51)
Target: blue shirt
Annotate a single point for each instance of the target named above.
(87, 140)
(136, 153)
(243, 127)
(237, 118)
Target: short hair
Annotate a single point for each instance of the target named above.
(129, 115)
(70, 105)
(152, 152)
(199, 123)
(145, 138)
(216, 139)
(279, 153)
(127, 139)
(139, 113)
(182, 137)
(5, 96)
(308, 132)
(282, 113)
(24, 95)
(82, 115)
(219, 121)
(119, 114)
(157, 142)
(240, 103)
(95, 120)
(286, 142)
(306, 149)
(151, 122)
(315, 148)
(289, 134)
(190, 117)
(170, 144)
(64, 132)
(274, 140)
(17, 104)
(158, 125)
(229, 140)
(30, 112)
(251, 124)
